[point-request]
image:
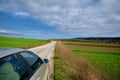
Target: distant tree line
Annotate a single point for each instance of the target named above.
(115, 40)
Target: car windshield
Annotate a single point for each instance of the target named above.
(33, 60)
(29, 57)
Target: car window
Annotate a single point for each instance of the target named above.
(12, 69)
(33, 60)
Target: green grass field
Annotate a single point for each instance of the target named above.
(20, 42)
(106, 60)
(69, 67)
(106, 63)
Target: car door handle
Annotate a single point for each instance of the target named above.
(39, 78)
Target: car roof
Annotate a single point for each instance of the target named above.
(7, 51)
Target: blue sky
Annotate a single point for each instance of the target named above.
(28, 27)
(60, 18)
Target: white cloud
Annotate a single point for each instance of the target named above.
(81, 17)
(10, 33)
(22, 14)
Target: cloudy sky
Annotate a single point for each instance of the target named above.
(60, 18)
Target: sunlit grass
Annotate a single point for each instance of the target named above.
(69, 67)
(20, 42)
(106, 63)
(104, 57)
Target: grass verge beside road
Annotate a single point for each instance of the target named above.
(69, 67)
(104, 57)
(20, 42)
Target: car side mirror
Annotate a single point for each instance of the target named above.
(46, 60)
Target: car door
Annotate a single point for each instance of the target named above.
(41, 73)
(38, 67)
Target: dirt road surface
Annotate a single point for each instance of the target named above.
(46, 51)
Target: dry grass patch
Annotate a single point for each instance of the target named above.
(93, 46)
(69, 67)
(93, 43)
